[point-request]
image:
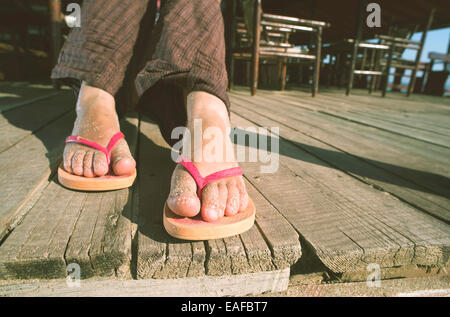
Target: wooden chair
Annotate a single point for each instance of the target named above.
(365, 63)
(259, 37)
(432, 82)
(393, 58)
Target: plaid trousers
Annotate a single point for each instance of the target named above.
(147, 66)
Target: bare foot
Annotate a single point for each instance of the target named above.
(223, 197)
(96, 121)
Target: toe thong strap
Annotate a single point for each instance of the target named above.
(203, 181)
(107, 150)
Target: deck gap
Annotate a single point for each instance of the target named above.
(91, 264)
(25, 209)
(71, 233)
(135, 207)
(305, 246)
(272, 251)
(207, 256)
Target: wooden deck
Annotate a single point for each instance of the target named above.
(361, 179)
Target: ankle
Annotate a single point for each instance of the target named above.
(202, 105)
(90, 97)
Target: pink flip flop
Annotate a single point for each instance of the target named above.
(102, 183)
(196, 228)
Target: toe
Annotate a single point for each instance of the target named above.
(77, 162)
(122, 160)
(100, 164)
(210, 203)
(87, 164)
(183, 198)
(185, 204)
(68, 154)
(243, 196)
(233, 199)
(223, 196)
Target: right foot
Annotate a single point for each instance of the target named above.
(222, 197)
(96, 121)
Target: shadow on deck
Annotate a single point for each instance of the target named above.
(361, 179)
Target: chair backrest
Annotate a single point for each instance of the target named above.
(275, 30)
(400, 39)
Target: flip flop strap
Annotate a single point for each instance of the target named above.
(107, 150)
(203, 181)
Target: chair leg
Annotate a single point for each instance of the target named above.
(231, 75)
(330, 66)
(283, 73)
(419, 53)
(387, 70)
(255, 72)
(336, 75)
(372, 67)
(230, 20)
(316, 73)
(255, 44)
(352, 68)
(55, 11)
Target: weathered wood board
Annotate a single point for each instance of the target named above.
(205, 286)
(422, 181)
(271, 244)
(360, 180)
(347, 223)
(18, 123)
(16, 94)
(63, 227)
(26, 168)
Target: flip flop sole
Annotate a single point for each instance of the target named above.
(197, 229)
(103, 183)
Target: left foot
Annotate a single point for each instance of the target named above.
(223, 197)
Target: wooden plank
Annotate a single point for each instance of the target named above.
(249, 252)
(258, 253)
(415, 108)
(218, 262)
(414, 287)
(411, 182)
(281, 237)
(363, 169)
(159, 256)
(406, 131)
(420, 154)
(407, 111)
(16, 94)
(413, 112)
(396, 100)
(347, 223)
(101, 239)
(406, 121)
(26, 167)
(414, 133)
(233, 285)
(92, 230)
(20, 122)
